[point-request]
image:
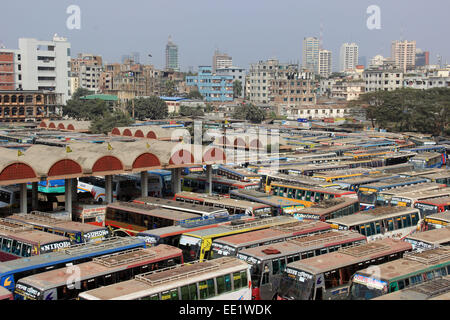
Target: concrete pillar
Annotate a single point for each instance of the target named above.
(176, 180)
(34, 196)
(68, 196)
(144, 184)
(23, 198)
(108, 189)
(208, 179)
(74, 190)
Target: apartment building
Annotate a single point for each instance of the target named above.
(325, 63)
(404, 54)
(235, 72)
(349, 57)
(310, 56)
(213, 87)
(386, 77)
(221, 60)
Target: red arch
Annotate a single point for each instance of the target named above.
(181, 157)
(127, 133)
(256, 143)
(70, 127)
(65, 167)
(61, 126)
(107, 163)
(17, 171)
(214, 154)
(146, 160)
(43, 124)
(115, 132)
(52, 125)
(239, 142)
(151, 135)
(139, 134)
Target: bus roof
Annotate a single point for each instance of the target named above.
(372, 215)
(175, 205)
(152, 211)
(437, 175)
(435, 236)
(302, 228)
(423, 194)
(351, 255)
(314, 188)
(425, 156)
(327, 206)
(310, 242)
(264, 198)
(393, 182)
(222, 200)
(437, 201)
(221, 179)
(23, 232)
(4, 293)
(443, 216)
(103, 264)
(179, 275)
(345, 172)
(91, 249)
(411, 263)
(411, 188)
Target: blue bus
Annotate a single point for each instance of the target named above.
(50, 186)
(12, 271)
(428, 160)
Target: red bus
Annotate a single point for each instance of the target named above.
(431, 206)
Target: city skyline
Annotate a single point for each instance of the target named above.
(240, 29)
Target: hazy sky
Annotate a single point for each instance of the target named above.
(248, 30)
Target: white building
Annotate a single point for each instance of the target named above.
(349, 56)
(317, 112)
(325, 63)
(404, 54)
(384, 77)
(310, 57)
(43, 65)
(221, 60)
(436, 79)
(237, 74)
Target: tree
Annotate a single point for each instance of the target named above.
(84, 109)
(81, 92)
(186, 111)
(109, 121)
(149, 108)
(194, 94)
(237, 89)
(169, 89)
(250, 112)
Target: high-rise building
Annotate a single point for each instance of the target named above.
(348, 57)
(172, 56)
(221, 60)
(422, 58)
(310, 58)
(87, 69)
(39, 65)
(325, 63)
(403, 53)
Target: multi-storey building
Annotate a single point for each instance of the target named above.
(422, 58)
(325, 63)
(428, 80)
(220, 61)
(348, 57)
(310, 57)
(237, 74)
(258, 80)
(213, 87)
(38, 65)
(88, 69)
(386, 77)
(404, 54)
(172, 56)
(347, 90)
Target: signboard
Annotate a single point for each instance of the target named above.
(370, 282)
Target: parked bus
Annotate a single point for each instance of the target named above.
(428, 160)
(222, 279)
(197, 245)
(164, 184)
(18, 240)
(5, 294)
(353, 184)
(12, 271)
(380, 223)
(233, 206)
(279, 205)
(50, 186)
(434, 205)
(268, 262)
(442, 177)
(171, 235)
(307, 195)
(102, 271)
(437, 220)
(123, 187)
(334, 176)
(171, 204)
(290, 179)
(328, 276)
(368, 193)
(129, 218)
(409, 199)
(329, 209)
(413, 268)
(220, 185)
(231, 245)
(77, 232)
(10, 199)
(436, 289)
(384, 197)
(429, 239)
(239, 174)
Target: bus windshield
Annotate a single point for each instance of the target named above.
(191, 247)
(368, 197)
(366, 288)
(296, 285)
(222, 250)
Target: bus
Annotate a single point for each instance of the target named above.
(333, 176)
(102, 271)
(382, 222)
(289, 179)
(233, 206)
(368, 193)
(171, 204)
(50, 186)
(239, 174)
(353, 184)
(437, 220)
(77, 232)
(123, 188)
(435, 205)
(384, 197)
(328, 276)
(129, 218)
(10, 199)
(415, 267)
(268, 262)
(220, 185)
(410, 198)
(12, 271)
(279, 205)
(428, 160)
(18, 240)
(171, 235)
(436, 289)
(231, 245)
(307, 195)
(5, 294)
(197, 245)
(222, 279)
(164, 184)
(329, 209)
(442, 177)
(429, 239)
(431, 148)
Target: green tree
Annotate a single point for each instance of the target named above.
(249, 112)
(237, 89)
(108, 121)
(149, 108)
(81, 92)
(186, 111)
(84, 109)
(169, 89)
(195, 94)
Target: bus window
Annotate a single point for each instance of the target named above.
(275, 266)
(26, 250)
(308, 195)
(414, 218)
(189, 292)
(206, 289)
(406, 220)
(6, 245)
(398, 223)
(152, 297)
(223, 284)
(390, 225)
(170, 295)
(363, 230)
(372, 228)
(290, 192)
(377, 227)
(16, 246)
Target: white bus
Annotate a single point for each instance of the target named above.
(226, 278)
(124, 188)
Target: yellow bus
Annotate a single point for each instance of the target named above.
(330, 176)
